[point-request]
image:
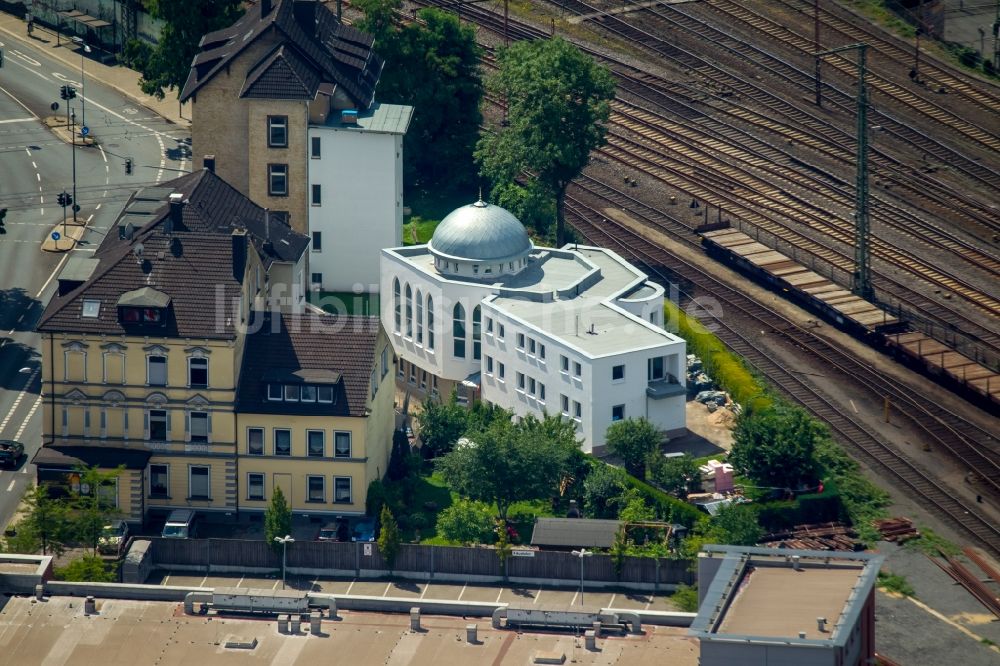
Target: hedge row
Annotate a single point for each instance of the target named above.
(724, 367)
(667, 506)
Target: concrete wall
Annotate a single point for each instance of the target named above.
(361, 209)
(774, 654)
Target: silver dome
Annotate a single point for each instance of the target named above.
(480, 232)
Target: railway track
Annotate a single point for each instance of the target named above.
(885, 457)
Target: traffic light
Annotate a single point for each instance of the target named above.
(64, 199)
(1, 58)
(3, 214)
(67, 92)
(128, 166)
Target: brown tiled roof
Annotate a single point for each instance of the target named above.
(293, 346)
(337, 53)
(192, 265)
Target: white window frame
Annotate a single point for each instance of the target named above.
(274, 442)
(190, 425)
(350, 443)
(191, 360)
(208, 482)
(166, 486)
(263, 487)
(350, 490)
(263, 444)
(322, 435)
(166, 374)
(309, 479)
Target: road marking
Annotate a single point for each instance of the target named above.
(387, 586)
(10, 488)
(648, 602)
(17, 401)
(350, 586)
(98, 206)
(462, 592)
(426, 587)
(33, 164)
(165, 579)
(39, 177)
(611, 604)
(203, 581)
(241, 581)
(575, 595)
(17, 120)
(535, 601)
(853, 406)
(27, 419)
(54, 273)
(103, 154)
(315, 584)
(499, 594)
(25, 106)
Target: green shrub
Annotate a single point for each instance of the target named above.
(666, 506)
(895, 583)
(685, 597)
(88, 568)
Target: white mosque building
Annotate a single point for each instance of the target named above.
(575, 331)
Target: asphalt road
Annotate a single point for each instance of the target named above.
(35, 166)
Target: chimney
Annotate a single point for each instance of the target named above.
(239, 253)
(176, 212)
(802, 634)
(305, 15)
(209, 162)
(796, 563)
(821, 625)
(265, 7)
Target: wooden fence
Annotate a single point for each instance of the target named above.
(219, 554)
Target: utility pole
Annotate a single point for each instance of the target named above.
(862, 279)
(915, 75)
(819, 95)
(72, 135)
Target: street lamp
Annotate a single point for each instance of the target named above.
(83, 82)
(582, 553)
(284, 541)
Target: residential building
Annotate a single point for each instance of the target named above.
(761, 606)
(575, 331)
(143, 346)
(312, 415)
(283, 107)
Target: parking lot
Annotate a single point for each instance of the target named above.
(621, 599)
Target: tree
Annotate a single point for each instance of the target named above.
(91, 507)
(507, 463)
(441, 424)
(603, 488)
(277, 519)
(618, 551)
(398, 464)
(389, 539)
(503, 547)
(168, 63)
(558, 104)
(776, 447)
(46, 521)
(467, 522)
(433, 66)
(89, 568)
(677, 475)
(633, 440)
(736, 525)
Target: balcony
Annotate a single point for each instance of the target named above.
(668, 387)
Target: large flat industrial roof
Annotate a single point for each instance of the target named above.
(149, 632)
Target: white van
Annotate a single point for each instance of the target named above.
(179, 524)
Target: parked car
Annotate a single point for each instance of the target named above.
(335, 531)
(179, 525)
(364, 530)
(113, 538)
(10, 452)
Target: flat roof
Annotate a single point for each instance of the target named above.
(782, 602)
(146, 632)
(576, 532)
(381, 118)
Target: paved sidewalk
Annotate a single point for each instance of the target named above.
(122, 79)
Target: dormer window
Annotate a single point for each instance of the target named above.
(141, 315)
(143, 306)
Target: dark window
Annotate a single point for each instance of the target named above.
(274, 391)
(324, 393)
(282, 442)
(198, 372)
(158, 425)
(199, 426)
(655, 368)
(317, 488)
(342, 489)
(618, 372)
(317, 241)
(317, 194)
(342, 444)
(277, 131)
(315, 148)
(308, 394)
(159, 480)
(277, 180)
(477, 335)
(458, 330)
(430, 322)
(564, 363)
(618, 412)
(317, 278)
(317, 447)
(199, 482)
(157, 370)
(291, 392)
(255, 486)
(255, 441)
(397, 305)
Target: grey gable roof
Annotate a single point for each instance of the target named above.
(336, 53)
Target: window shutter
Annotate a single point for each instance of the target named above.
(145, 424)
(187, 426)
(169, 430)
(124, 423)
(209, 426)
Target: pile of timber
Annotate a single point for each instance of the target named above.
(821, 536)
(896, 529)
(970, 581)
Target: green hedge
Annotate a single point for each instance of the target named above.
(808, 509)
(667, 506)
(724, 367)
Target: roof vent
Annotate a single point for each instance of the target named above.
(821, 625)
(349, 117)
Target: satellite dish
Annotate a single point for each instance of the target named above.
(137, 250)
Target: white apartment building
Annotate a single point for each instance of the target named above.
(575, 331)
(355, 195)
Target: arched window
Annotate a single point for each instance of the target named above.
(477, 333)
(396, 305)
(409, 311)
(420, 318)
(430, 322)
(458, 330)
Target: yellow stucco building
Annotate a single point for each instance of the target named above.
(160, 351)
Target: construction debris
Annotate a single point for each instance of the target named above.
(822, 536)
(898, 530)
